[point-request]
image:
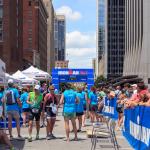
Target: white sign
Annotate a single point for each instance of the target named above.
(140, 133)
(68, 72)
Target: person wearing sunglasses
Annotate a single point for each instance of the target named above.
(50, 106)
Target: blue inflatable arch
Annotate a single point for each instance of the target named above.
(72, 76)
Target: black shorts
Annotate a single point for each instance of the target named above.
(93, 108)
(26, 110)
(49, 113)
(79, 114)
(84, 107)
(119, 109)
(34, 115)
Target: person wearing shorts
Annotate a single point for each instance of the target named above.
(84, 107)
(1, 100)
(50, 103)
(69, 99)
(79, 107)
(93, 104)
(25, 105)
(12, 108)
(34, 100)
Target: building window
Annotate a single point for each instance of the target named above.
(1, 12)
(1, 30)
(1, 35)
(30, 3)
(1, 2)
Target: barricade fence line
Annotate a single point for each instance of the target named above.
(136, 124)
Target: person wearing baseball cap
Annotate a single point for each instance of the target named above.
(134, 87)
(12, 101)
(34, 100)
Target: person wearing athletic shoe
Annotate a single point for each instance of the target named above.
(69, 99)
(25, 105)
(79, 107)
(93, 104)
(1, 100)
(12, 107)
(84, 107)
(51, 107)
(34, 100)
(44, 90)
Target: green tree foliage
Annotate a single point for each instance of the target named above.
(100, 81)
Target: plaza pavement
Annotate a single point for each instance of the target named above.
(84, 143)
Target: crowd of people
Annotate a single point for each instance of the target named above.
(42, 103)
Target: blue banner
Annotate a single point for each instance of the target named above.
(137, 127)
(110, 108)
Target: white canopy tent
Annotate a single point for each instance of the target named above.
(25, 80)
(16, 81)
(36, 73)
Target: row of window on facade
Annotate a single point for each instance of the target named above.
(116, 21)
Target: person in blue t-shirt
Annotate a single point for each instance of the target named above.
(25, 105)
(69, 99)
(1, 100)
(80, 106)
(93, 104)
(12, 102)
(85, 104)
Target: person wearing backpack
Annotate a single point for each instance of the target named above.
(12, 107)
(50, 106)
(34, 100)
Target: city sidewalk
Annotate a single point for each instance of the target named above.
(84, 143)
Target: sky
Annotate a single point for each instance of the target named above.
(80, 30)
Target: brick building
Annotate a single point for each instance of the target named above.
(50, 35)
(61, 64)
(35, 33)
(11, 34)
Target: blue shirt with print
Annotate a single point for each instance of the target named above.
(24, 98)
(93, 98)
(1, 96)
(79, 106)
(16, 96)
(84, 94)
(69, 101)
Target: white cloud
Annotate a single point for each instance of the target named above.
(79, 40)
(81, 48)
(69, 13)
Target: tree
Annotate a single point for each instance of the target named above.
(101, 80)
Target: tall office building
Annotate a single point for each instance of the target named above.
(60, 38)
(110, 37)
(50, 35)
(35, 33)
(137, 54)
(11, 20)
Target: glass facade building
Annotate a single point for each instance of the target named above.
(101, 28)
(59, 36)
(111, 36)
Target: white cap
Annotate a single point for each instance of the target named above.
(134, 85)
(37, 87)
(10, 81)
